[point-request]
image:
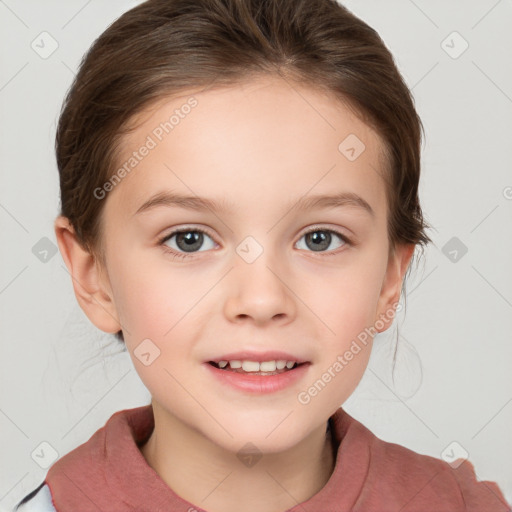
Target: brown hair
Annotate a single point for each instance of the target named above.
(164, 47)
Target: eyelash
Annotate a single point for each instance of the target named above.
(174, 254)
(181, 255)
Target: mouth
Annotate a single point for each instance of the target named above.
(248, 367)
(258, 373)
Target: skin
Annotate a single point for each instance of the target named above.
(261, 146)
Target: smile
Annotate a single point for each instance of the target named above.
(257, 377)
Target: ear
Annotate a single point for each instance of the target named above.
(398, 262)
(92, 289)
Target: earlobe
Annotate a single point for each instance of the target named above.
(91, 290)
(398, 262)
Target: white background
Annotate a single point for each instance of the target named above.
(61, 378)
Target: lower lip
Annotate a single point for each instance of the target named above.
(259, 384)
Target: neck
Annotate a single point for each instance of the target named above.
(206, 475)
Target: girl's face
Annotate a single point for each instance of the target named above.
(257, 162)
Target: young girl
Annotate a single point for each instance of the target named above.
(239, 187)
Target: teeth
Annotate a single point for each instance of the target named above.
(255, 366)
(268, 366)
(250, 366)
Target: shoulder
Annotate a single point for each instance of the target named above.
(425, 479)
(412, 481)
(39, 500)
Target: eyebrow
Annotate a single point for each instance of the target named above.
(171, 199)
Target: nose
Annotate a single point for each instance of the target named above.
(259, 292)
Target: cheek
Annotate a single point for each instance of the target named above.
(156, 312)
(345, 301)
(142, 307)
(346, 348)
(151, 299)
(164, 306)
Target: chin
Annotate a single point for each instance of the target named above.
(268, 434)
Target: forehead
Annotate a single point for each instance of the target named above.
(259, 139)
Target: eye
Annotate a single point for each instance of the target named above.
(318, 239)
(188, 240)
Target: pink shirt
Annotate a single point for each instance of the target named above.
(109, 473)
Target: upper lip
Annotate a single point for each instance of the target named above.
(268, 355)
